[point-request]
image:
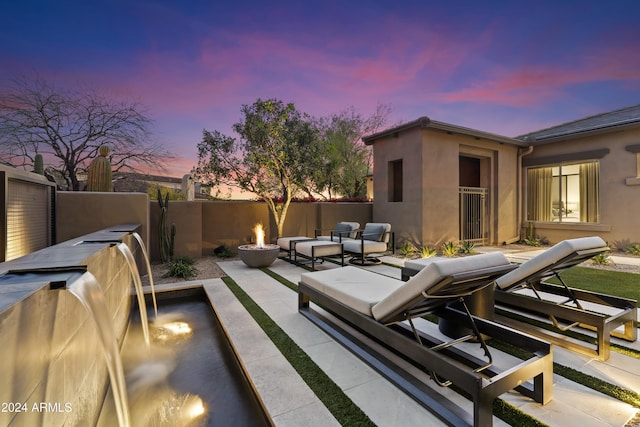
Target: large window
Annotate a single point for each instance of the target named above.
(563, 193)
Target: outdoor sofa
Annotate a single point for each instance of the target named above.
(374, 316)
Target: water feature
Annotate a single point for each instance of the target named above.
(145, 255)
(87, 290)
(126, 252)
(52, 354)
(193, 377)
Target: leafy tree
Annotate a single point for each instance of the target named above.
(346, 160)
(277, 149)
(68, 128)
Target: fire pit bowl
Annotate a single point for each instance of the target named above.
(258, 256)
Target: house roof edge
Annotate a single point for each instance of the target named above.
(425, 122)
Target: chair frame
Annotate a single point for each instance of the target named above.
(441, 359)
(316, 258)
(361, 258)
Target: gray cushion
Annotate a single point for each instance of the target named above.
(375, 231)
(342, 229)
(356, 288)
(547, 258)
(429, 276)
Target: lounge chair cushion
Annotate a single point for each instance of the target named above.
(548, 258)
(285, 243)
(419, 264)
(429, 276)
(375, 231)
(343, 230)
(346, 229)
(354, 287)
(355, 247)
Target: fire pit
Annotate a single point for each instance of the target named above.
(260, 254)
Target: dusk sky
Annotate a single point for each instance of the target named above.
(506, 67)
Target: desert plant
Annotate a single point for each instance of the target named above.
(166, 237)
(532, 239)
(601, 259)
(449, 249)
(427, 252)
(633, 249)
(223, 252)
(468, 247)
(38, 164)
(99, 176)
(407, 249)
(182, 267)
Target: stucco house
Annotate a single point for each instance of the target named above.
(437, 182)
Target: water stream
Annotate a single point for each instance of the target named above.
(124, 249)
(149, 273)
(87, 290)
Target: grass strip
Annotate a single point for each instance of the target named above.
(501, 409)
(617, 283)
(338, 403)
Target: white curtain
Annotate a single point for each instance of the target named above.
(539, 182)
(589, 189)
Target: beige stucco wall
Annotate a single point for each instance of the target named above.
(202, 226)
(429, 211)
(619, 200)
(404, 217)
(83, 212)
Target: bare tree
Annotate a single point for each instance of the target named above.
(68, 127)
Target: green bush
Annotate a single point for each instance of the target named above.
(427, 252)
(601, 259)
(182, 267)
(449, 249)
(633, 249)
(468, 248)
(407, 249)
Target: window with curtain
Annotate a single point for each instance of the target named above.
(563, 193)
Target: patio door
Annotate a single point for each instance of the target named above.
(474, 200)
(473, 214)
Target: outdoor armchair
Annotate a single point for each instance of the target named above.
(371, 241)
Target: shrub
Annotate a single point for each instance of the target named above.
(182, 267)
(468, 248)
(427, 252)
(223, 252)
(601, 259)
(633, 249)
(407, 249)
(449, 249)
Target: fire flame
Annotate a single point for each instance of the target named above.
(259, 235)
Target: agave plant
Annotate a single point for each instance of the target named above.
(449, 249)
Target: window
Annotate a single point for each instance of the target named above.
(395, 181)
(563, 193)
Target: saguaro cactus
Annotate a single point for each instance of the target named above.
(38, 164)
(99, 177)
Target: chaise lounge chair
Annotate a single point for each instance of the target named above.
(373, 316)
(567, 307)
